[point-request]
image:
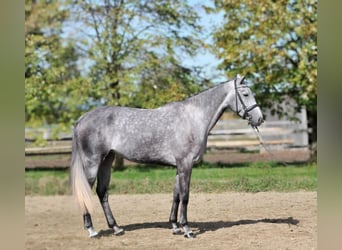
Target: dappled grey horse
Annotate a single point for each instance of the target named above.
(174, 134)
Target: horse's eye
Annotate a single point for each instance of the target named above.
(245, 94)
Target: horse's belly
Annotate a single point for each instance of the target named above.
(143, 152)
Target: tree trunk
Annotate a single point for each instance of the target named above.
(312, 122)
(118, 163)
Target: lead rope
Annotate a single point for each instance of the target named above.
(257, 132)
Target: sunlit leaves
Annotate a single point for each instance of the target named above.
(83, 54)
(275, 43)
(133, 46)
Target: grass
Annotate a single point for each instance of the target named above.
(217, 178)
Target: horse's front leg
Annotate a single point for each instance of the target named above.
(174, 208)
(184, 172)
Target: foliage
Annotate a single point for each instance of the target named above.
(274, 43)
(164, 83)
(82, 54)
(51, 77)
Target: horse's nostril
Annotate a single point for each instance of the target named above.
(261, 120)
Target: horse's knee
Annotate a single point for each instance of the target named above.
(176, 197)
(185, 198)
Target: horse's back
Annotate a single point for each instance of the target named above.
(145, 135)
(129, 131)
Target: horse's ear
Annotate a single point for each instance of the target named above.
(240, 78)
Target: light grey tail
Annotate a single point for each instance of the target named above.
(79, 184)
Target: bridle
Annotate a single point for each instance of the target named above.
(244, 107)
(245, 114)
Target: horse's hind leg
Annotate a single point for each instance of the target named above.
(88, 224)
(103, 179)
(91, 177)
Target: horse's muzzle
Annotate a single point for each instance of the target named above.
(255, 118)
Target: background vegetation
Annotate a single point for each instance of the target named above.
(252, 177)
(274, 43)
(84, 54)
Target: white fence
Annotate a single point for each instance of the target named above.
(232, 134)
(276, 135)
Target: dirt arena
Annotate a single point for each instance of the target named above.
(220, 221)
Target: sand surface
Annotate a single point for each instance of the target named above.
(265, 220)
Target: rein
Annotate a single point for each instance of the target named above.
(257, 132)
(245, 114)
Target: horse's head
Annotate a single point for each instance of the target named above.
(244, 104)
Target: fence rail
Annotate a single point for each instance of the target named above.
(226, 135)
(233, 135)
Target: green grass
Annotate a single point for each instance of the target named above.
(252, 177)
(46, 182)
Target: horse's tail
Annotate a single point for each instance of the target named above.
(79, 184)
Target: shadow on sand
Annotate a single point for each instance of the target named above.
(202, 227)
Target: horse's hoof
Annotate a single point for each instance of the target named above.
(189, 235)
(92, 233)
(118, 231)
(176, 231)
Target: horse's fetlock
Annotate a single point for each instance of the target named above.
(87, 221)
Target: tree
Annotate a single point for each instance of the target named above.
(52, 78)
(274, 43)
(133, 48)
(160, 83)
(82, 54)
(131, 44)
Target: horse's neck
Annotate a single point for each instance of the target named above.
(212, 104)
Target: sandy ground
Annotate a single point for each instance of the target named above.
(220, 221)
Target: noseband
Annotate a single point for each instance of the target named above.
(244, 107)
